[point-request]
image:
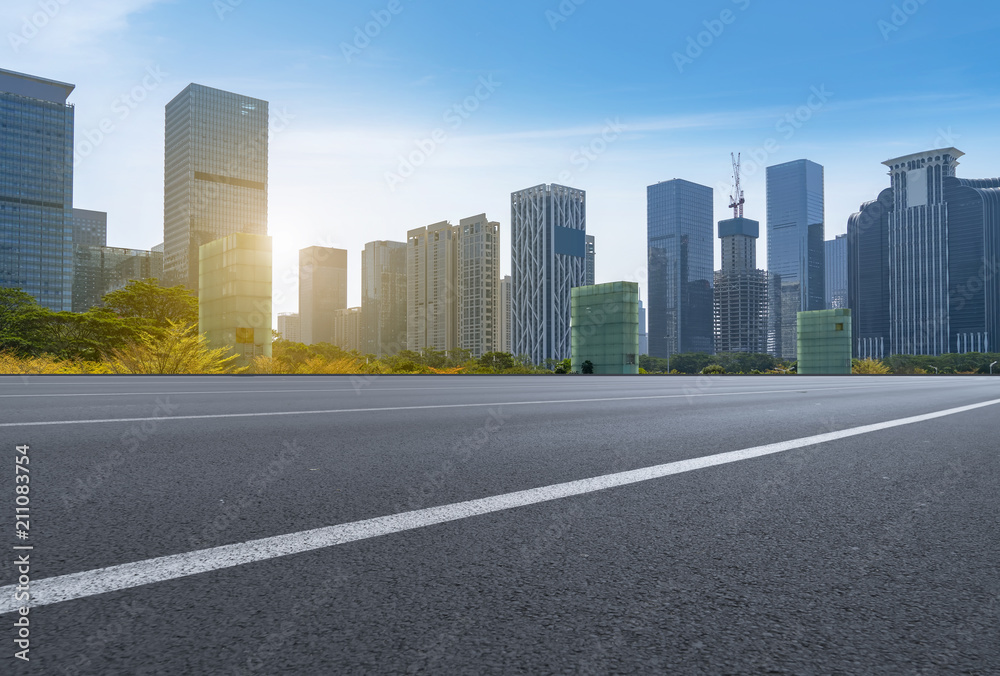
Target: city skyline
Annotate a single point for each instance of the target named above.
(339, 122)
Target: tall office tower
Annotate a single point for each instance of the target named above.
(347, 329)
(973, 264)
(795, 249)
(643, 335)
(548, 258)
(505, 289)
(90, 228)
(679, 234)
(836, 273)
(944, 253)
(36, 188)
(479, 285)
(591, 255)
(289, 327)
(432, 287)
(322, 291)
(383, 298)
(215, 174)
(868, 277)
(741, 296)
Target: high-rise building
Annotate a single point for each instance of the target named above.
(432, 292)
(383, 298)
(548, 259)
(795, 250)
(868, 277)
(322, 291)
(973, 264)
(289, 327)
(643, 335)
(99, 270)
(234, 294)
(90, 228)
(36, 188)
(928, 252)
(347, 329)
(479, 285)
(740, 293)
(215, 174)
(505, 289)
(681, 258)
(591, 256)
(836, 273)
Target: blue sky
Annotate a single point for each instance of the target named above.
(608, 97)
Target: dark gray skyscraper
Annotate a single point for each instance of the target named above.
(36, 188)
(548, 258)
(90, 228)
(868, 277)
(924, 261)
(680, 241)
(795, 248)
(215, 174)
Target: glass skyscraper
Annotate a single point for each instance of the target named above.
(973, 263)
(795, 248)
(322, 292)
(90, 228)
(836, 273)
(36, 188)
(548, 259)
(383, 298)
(215, 174)
(924, 261)
(868, 276)
(681, 261)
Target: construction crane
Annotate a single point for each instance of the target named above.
(737, 201)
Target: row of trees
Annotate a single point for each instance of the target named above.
(148, 328)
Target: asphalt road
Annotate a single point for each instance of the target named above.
(873, 553)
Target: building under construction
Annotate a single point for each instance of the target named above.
(740, 297)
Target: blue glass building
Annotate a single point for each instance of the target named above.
(973, 263)
(36, 188)
(680, 237)
(924, 261)
(795, 248)
(868, 276)
(836, 273)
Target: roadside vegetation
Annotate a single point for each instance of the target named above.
(148, 328)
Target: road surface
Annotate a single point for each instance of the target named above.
(328, 525)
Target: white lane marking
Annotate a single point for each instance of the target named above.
(126, 576)
(425, 407)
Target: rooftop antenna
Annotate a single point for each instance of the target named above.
(737, 201)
